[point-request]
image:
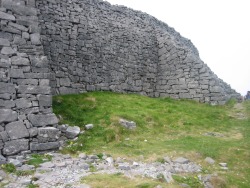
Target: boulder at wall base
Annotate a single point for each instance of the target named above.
(42, 120)
(72, 132)
(15, 146)
(44, 146)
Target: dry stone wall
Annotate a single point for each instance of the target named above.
(25, 94)
(92, 45)
(72, 46)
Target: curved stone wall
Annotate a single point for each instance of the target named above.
(74, 46)
(92, 45)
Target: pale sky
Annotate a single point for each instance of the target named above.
(220, 29)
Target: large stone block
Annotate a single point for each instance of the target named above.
(7, 51)
(23, 103)
(39, 61)
(15, 146)
(22, 10)
(45, 100)
(5, 16)
(46, 134)
(8, 104)
(44, 146)
(24, 89)
(7, 115)
(17, 130)
(17, 60)
(16, 73)
(41, 120)
(4, 42)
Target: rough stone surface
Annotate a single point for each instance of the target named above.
(66, 171)
(62, 47)
(44, 146)
(127, 124)
(17, 130)
(42, 120)
(72, 132)
(15, 146)
(7, 115)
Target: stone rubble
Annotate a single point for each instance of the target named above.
(65, 170)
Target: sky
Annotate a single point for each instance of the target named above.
(220, 29)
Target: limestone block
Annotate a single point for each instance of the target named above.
(33, 131)
(4, 136)
(15, 146)
(46, 134)
(45, 100)
(4, 42)
(5, 16)
(7, 51)
(17, 130)
(28, 89)
(35, 38)
(39, 61)
(44, 146)
(7, 104)
(41, 120)
(23, 10)
(18, 60)
(72, 132)
(16, 73)
(23, 103)
(7, 115)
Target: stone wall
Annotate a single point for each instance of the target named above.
(72, 46)
(25, 94)
(92, 45)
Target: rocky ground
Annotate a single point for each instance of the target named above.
(67, 171)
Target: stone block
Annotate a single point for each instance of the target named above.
(50, 134)
(7, 115)
(45, 100)
(44, 146)
(7, 104)
(4, 136)
(72, 132)
(215, 89)
(16, 73)
(18, 60)
(23, 103)
(15, 146)
(41, 120)
(28, 89)
(23, 10)
(65, 81)
(5, 16)
(7, 51)
(35, 39)
(16, 130)
(4, 42)
(39, 61)
(33, 131)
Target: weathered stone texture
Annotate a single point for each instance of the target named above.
(62, 47)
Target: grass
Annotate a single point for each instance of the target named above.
(37, 159)
(165, 127)
(118, 180)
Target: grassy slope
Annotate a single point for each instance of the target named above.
(164, 127)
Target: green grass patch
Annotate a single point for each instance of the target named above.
(164, 127)
(37, 159)
(118, 180)
(8, 168)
